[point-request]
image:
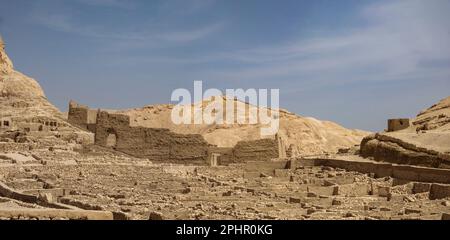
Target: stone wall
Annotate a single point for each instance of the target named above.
(403, 172)
(397, 124)
(256, 150)
(81, 116)
(156, 144)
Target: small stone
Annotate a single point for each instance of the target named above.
(263, 175)
(310, 211)
(46, 197)
(311, 194)
(331, 175)
(409, 199)
(412, 211)
(156, 216)
(227, 194)
(336, 202)
(349, 214)
(326, 168)
(319, 175)
(186, 190)
(445, 216)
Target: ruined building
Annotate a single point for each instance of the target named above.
(397, 124)
(159, 144)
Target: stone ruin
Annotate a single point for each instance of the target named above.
(397, 124)
(5, 123)
(35, 124)
(119, 171)
(113, 130)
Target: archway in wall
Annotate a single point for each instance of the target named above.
(111, 140)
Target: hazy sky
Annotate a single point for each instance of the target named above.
(353, 62)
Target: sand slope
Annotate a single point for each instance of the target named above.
(300, 135)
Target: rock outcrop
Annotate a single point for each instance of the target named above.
(437, 117)
(25, 110)
(21, 96)
(425, 143)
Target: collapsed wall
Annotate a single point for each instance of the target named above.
(256, 150)
(81, 116)
(158, 144)
(113, 130)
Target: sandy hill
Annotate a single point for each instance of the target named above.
(21, 96)
(300, 135)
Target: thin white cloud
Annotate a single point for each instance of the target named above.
(125, 4)
(184, 7)
(400, 36)
(153, 35)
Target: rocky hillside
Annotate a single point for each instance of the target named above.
(300, 135)
(28, 113)
(426, 142)
(437, 117)
(21, 96)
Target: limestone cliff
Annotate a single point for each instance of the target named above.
(21, 96)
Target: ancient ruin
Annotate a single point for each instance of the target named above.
(137, 164)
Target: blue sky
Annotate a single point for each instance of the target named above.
(353, 62)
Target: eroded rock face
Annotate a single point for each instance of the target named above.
(425, 143)
(395, 149)
(6, 65)
(437, 117)
(14, 83)
(20, 95)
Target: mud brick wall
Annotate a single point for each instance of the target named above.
(397, 124)
(226, 154)
(256, 150)
(156, 144)
(82, 116)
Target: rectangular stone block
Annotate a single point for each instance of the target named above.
(295, 200)
(421, 187)
(405, 173)
(326, 191)
(445, 216)
(439, 191)
(250, 175)
(353, 190)
(281, 172)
